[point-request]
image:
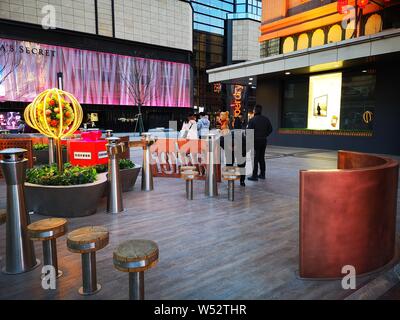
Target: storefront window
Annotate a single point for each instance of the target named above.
(318, 38)
(288, 45)
(295, 103)
(347, 104)
(374, 25)
(358, 101)
(335, 33)
(303, 41)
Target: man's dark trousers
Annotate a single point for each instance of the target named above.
(259, 157)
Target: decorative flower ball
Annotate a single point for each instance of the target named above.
(55, 113)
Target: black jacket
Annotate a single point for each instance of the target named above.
(262, 127)
(231, 149)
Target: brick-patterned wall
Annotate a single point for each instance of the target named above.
(159, 22)
(245, 45)
(76, 15)
(104, 13)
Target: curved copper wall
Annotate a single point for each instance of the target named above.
(348, 215)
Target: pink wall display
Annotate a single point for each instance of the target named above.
(92, 77)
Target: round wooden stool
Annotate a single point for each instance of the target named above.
(47, 231)
(135, 257)
(87, 241)
(231, 174)
(3, 216)
(189, 176)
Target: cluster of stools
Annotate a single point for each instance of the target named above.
(229, 174)
(132, 256)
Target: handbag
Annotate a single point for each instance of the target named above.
(186, 132)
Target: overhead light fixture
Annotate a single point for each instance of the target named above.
(364, 71)
(326, 66)
(250, 83)
(250, 79)
(288, 73)
(254, 87)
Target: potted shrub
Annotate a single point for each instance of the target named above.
(129, 173)
(41, 153)
(75, 192)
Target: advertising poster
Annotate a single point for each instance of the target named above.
(324, 102)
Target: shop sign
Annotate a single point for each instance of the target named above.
(237, 100)
(217, 87)
(367, 117)
(22, 49)
(102, 154)
(83, 155)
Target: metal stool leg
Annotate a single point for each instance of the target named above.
(89, 276)
(231, 190)
(189, 189)
(136, 285)
(50, 255)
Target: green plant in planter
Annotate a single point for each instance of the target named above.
(72, 175)
(126, 164)
(100, 168)
(40, 146)
(43, 146)
(123, 164)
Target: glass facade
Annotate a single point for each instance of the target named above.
(210, 15)
(209, 44)
(209, 52)
(247, 9)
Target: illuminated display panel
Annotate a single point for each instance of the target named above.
(93, 77)
(324, 100)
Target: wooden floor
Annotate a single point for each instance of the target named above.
(209, 248)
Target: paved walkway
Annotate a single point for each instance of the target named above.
(209, 248)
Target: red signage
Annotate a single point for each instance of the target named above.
(217, 87)
(87, 153)
(362, 3)
(168, 155)
(341, 6)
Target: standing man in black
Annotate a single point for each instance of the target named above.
(262, 129)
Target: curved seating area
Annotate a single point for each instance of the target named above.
(348, 215)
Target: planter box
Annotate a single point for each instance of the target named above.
(42, 156)
(65, 201)
(129, 177)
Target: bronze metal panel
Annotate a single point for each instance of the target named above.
(348, 216)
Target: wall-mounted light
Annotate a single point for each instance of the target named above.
(364, 71)
(288, 73)
(250, 79)
(250, 83)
